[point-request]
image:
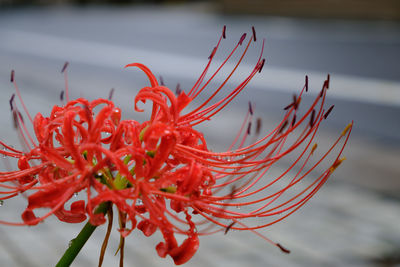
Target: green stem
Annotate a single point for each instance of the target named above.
(77, 243)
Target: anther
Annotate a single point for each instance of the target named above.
(314, 148)
(20, 117)
(178, 89)
(62, 95)
(261, 65)
(283, 126)
(242, 39)
(229, 227)
(15, 118)
(111, 93)
(161, 81)
(213, 52)
(11, 102)
(327, 81)
(258, 125)
(288, 106)
(328, 111)
(282, 248)
(12, 76)
(250, 108)
(254, 33)
(249, 128)
(224, 32)
(322, 91)
(294, 120)
(312, 118)
(306, 85)
(347, 128)
(65, 66)
(233, 191)
(295, 101)
(336, 164)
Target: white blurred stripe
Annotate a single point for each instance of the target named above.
(273, 78)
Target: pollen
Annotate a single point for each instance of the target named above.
(347, 128)
(336, 164)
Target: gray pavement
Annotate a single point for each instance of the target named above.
(353, 221)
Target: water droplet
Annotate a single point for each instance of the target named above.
(139, 202)
(75, 194)
(1, 203)
(70, 242)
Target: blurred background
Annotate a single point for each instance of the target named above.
(353, 221)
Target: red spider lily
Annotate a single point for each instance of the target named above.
(160, 174)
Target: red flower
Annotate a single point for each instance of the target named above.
(160, 174)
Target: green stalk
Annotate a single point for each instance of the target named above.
(77, 243)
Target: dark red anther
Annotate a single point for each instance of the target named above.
(250, 108)
(178, 89)
(12, 76)
(328, 111)
(11, 102)
(233, 191)
(306, 83)
(322, 91)
(288, 106)
(15, 118)
(249, 128)
(20, 116)
(254, 33)
(111, 93)
(62, 95)
(295, 101)
(312, 118)
(242, 39)
(224, 32)
(212, 52)
(294, 120)
(327, 81)
(161, 80)
(258, 125)
(283, 248)
(65, 66)
(229, 227)
(283, 126)
(261, 65)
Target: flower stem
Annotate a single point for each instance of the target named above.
(77, 243)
